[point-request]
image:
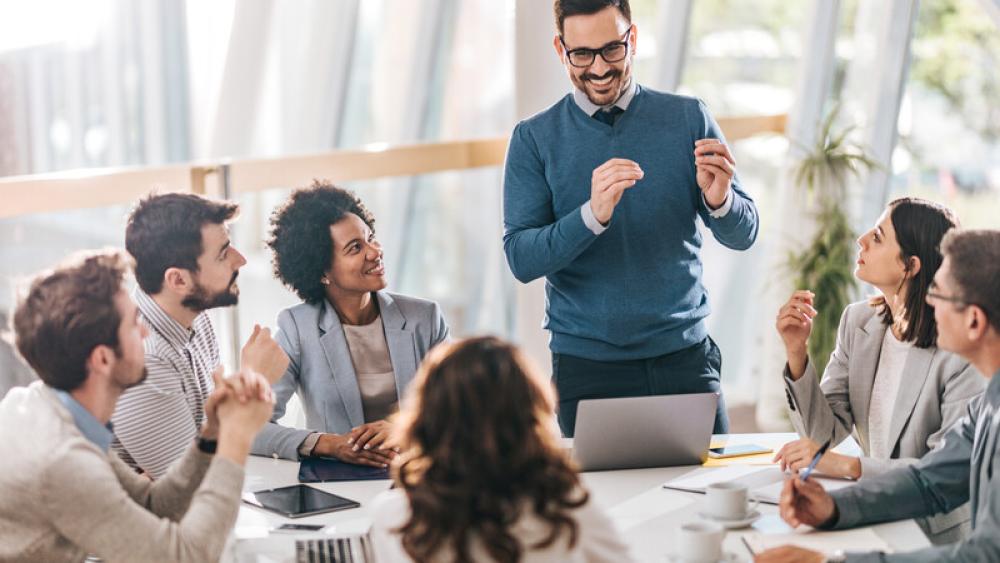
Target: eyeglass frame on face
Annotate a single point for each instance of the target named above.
(960, 303)
(932, 294)
(595, 52)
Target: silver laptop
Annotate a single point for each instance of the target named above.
(655, 431)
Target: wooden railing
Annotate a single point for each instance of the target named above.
(78, 189)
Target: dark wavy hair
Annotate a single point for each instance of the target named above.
(300, 235)
(920, 226)
(567, 8)
(480, 449)
(67, 312)
(164, 231)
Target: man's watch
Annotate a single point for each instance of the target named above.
(206, 445)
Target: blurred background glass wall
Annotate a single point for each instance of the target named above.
(110, 83)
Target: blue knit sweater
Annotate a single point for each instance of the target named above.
(635, 290)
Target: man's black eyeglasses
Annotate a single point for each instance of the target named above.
(934, 295)
(611, 53)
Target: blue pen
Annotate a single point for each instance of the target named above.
(812, 464)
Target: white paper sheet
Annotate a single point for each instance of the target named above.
(770, 493)
(764, 483)
(751, 476)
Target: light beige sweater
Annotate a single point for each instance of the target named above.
(62, 498)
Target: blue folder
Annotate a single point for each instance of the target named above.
(319, 470)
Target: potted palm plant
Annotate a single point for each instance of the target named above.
(826, 264)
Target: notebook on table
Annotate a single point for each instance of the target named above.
(763, 483)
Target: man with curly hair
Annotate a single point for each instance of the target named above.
(354, 347)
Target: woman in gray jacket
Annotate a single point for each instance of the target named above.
(886, 382)
(353, 347)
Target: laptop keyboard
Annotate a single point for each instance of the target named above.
(356, 549)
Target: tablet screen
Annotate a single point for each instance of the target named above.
(299, 500)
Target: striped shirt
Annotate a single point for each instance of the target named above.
(156, 421)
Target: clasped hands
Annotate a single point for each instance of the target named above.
(242, 403)
(369, 444)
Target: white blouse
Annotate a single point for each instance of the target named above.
(888, 376)
(598, 540)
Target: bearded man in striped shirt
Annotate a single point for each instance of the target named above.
(185, 264)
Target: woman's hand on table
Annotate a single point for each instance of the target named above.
(797, 455)
(340, 447)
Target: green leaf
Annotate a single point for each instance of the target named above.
(826, 264)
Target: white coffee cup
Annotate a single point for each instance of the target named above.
(727, 501)
(699, 542)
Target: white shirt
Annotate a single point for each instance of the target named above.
(597, 540)
(888, 376)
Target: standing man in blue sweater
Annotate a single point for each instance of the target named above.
(602, 194)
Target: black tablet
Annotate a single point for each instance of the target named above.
(297, 501)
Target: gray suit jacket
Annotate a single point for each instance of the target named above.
(322, 372)
(935, 392)
(959, 471)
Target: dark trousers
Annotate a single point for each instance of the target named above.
(696, 369)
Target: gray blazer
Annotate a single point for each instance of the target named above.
(960, 470)
(935, 394)
(322, 372)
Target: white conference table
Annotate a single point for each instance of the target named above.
(645, 512)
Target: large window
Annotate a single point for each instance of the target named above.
(742, 59)
(949, 121)
(165, 81)
(104, 85)
(644, 16)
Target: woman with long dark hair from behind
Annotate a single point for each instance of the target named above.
(482, 477)
(887, 382)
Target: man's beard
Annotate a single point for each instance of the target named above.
(584, 81)
(201, 300)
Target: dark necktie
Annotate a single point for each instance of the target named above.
(609, 116)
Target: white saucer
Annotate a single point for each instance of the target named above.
(750, 518)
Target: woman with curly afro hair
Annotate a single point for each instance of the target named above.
(495, 485)
(354, 347)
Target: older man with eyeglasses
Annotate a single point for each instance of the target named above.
(966, 304)
(625, 304)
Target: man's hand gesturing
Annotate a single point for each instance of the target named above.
(608, 183)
